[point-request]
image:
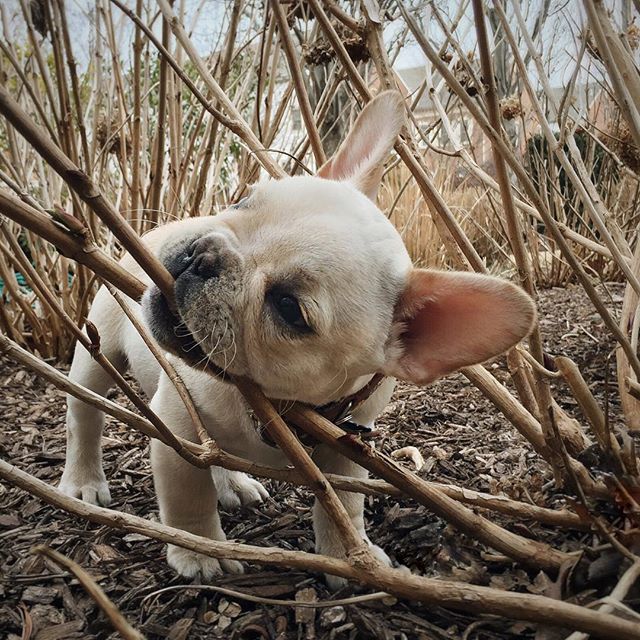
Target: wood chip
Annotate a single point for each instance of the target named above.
(64, 631)
(180, 630)
(40, 595)
(306, 615)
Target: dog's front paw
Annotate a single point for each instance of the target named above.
(237, 489)
(335, 582)
(379, 554)
(86, 483)
(191, 564)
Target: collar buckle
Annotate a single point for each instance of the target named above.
(345, 414)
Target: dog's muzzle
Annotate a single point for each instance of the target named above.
(192, 262)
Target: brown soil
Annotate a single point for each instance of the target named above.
(463, 439)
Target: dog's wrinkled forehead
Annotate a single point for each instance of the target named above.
(303, 196)
(319, 223)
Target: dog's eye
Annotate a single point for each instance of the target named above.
(289, 310)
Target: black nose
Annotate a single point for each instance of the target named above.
(205, 254)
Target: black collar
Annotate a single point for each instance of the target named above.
(340, 412)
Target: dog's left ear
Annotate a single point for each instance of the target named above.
(448, 320)
(360, 158)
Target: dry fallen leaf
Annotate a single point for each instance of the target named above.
(409, 453)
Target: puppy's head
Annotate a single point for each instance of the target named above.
(305, 286)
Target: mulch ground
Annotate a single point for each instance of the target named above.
(463, 439)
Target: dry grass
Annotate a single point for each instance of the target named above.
(472, 206)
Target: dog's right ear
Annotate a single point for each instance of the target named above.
(360, 158)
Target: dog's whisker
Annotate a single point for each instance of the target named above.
(195, 345)
(206, 358)
(226, 366)
(345, 377)
(234, 344)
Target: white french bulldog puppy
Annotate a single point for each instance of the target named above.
(306, 288)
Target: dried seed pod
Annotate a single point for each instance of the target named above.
(633, 37)
(462, 75)
(625, 147)
(111, 135)
(39, 17)
(357, 48)
(322, 52)
(318, 54)
(510, 108)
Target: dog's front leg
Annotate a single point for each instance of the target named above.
(187, 500)
(187, 496)
(328, 539)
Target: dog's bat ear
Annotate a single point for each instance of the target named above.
(360, 158)
(448, 320)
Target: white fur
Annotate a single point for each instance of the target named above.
(350, 269)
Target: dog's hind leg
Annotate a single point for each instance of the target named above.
(83, 475)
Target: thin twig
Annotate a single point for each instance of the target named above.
(119, 622)
(318, 604)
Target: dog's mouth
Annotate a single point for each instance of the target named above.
(168, 329)
(167, 326)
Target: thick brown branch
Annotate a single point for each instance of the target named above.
(81, 250)
(527, 551)
(312, 475)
